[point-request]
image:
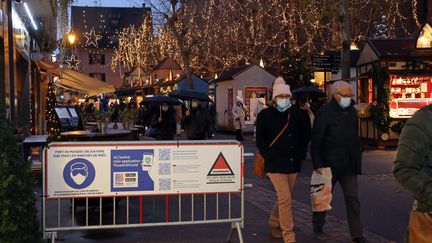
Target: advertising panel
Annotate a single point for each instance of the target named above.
(83, 169)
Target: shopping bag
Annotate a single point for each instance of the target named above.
(419, 227)
(258, 167)
(321, 190)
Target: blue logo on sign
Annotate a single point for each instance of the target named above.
(79, 173)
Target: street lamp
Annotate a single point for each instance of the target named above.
(71, 37)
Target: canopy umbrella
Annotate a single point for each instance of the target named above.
(159, 99)
(308, 91)
(76, 81)
(189, 94)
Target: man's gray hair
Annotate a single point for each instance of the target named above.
(338, 85)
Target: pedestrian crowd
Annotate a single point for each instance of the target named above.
(285, 130)
(287, 127)
(160, 120)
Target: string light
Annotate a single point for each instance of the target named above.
(216, 35)
(53, 126)
(92, 38)
(73, 63)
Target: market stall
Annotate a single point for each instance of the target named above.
(397, 82)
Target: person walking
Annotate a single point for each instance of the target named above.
(261, 105)
(279, 130)
(164, 122)
(335, 144)
(196, 121)
(239, 115)
(413, 170)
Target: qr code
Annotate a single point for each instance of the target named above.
(164, 184)
(164, 154)
(164, 169)
(119, 177)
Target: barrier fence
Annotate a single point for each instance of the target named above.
(107, 185)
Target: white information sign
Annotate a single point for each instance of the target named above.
(82, 169)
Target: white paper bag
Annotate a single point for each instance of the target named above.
(321, 190)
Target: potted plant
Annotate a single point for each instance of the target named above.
(127, 117)
(102, 119)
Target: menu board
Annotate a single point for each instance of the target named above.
(74, 116)
(67, 116)
(63, 117)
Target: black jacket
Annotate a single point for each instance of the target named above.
(166, 129)
(197, 124)
(335, 140)
(286, 153)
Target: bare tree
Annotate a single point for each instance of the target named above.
(345, 24)
(209, 36)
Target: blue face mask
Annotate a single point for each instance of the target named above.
(345, 102)
(283, 104)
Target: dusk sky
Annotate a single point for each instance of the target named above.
(109, 3)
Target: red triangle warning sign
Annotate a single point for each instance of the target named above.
(220, 167)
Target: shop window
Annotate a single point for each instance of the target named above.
(97, 59)
(408, 94)
(425, 38)
(100, 76)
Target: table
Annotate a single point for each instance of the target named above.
(88, 134)
(34, 141)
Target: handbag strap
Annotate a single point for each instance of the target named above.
(280, 133)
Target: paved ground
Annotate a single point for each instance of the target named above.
(385, 207)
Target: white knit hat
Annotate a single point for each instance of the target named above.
(239, 99)
(280, 87)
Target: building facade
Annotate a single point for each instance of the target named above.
(97, 30)
(25, 37)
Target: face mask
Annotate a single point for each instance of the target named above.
(165, 108)
(345, 102)
(195, 104)
(283, 104)
(78, 179)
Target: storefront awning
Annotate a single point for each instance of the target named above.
(77, 81)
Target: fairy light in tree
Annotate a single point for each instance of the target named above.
(213, 36)
(53, 126)
(135, 48)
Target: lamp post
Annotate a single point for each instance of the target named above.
(71, 38)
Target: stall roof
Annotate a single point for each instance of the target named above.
(393, 47)
(77, 81)
(231, 73)
(402, 48)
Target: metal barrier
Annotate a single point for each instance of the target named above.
(200, 182)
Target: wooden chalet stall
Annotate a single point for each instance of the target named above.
(408, 63)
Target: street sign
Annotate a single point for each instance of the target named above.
(326, 62)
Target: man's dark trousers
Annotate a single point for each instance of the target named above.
(349, 186)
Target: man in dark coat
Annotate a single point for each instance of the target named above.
(164, 122)
(335, 144)
(196, 121)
